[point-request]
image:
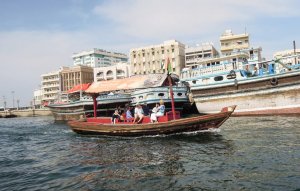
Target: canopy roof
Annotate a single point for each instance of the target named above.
(134, 82)
(79, 87)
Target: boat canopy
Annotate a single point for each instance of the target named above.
(133, 82)
(79, 87)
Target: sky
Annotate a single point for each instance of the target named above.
(40, 36)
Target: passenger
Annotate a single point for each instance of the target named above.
(138, 113)
(120, 111)
(153, 117)
(146, 109)
(115, 116)
(161, 109)
(128, 114)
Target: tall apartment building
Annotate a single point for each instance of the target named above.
(98, 58)
(231, 42)
(118, 71)
(72, 76)
(50, 87)
(153, 59)
(193, 55)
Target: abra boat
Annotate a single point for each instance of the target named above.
(165, 126)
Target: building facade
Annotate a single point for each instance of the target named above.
(291, 58)
(118, 71)
(37, 99)
(50, 87)
(193, 55)
(98, 58)
(72, 76)
(153, 59)
(231, 42)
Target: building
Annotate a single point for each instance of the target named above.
(193, 55)
(37, 99)
(291, 58)
(153, 59)
(50, 87)
(98, 58)
(120, 70)
(72, 76)
(231, 42)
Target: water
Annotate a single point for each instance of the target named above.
(246, 154)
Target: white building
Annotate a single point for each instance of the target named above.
(120, 70)
(232, 42)
(50, 87)
(98, 58)
(153, 59)
(37, 98)
(199, 53)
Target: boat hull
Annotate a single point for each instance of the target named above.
(164, 128)
(254, 97)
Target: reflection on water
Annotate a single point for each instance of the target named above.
(247, 154)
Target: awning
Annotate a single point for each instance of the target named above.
(79, 87)
(134, 82)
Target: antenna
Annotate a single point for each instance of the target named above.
(294, 44)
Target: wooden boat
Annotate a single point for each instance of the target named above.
(167, 124)
(203, 122)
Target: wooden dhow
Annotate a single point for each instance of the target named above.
(191, 124)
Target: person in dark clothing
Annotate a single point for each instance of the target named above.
(146, 110)
(115, 116)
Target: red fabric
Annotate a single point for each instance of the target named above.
(79, 87)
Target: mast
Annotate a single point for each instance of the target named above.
(294, 44)
(171, 88)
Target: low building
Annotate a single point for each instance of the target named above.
(232, 42)
(98, 58)
(193, 55)
(153, 59)
(72, 76)
(293, 55)
(118, 71)
(37, 99)
(291, 58)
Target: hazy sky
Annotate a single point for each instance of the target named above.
(39, 36)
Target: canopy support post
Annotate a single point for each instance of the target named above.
(94, 96)
(172, 96)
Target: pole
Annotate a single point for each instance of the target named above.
(94, 96)
(13, 95)
(172, 96)
(294, 44)
(18, 101)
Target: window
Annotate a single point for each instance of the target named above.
(218, 78)
(172, 49)
(163, 51)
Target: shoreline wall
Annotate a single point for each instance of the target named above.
(27, 112)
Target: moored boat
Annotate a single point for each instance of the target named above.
(273, 89)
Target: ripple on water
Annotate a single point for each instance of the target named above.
(248, 153)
